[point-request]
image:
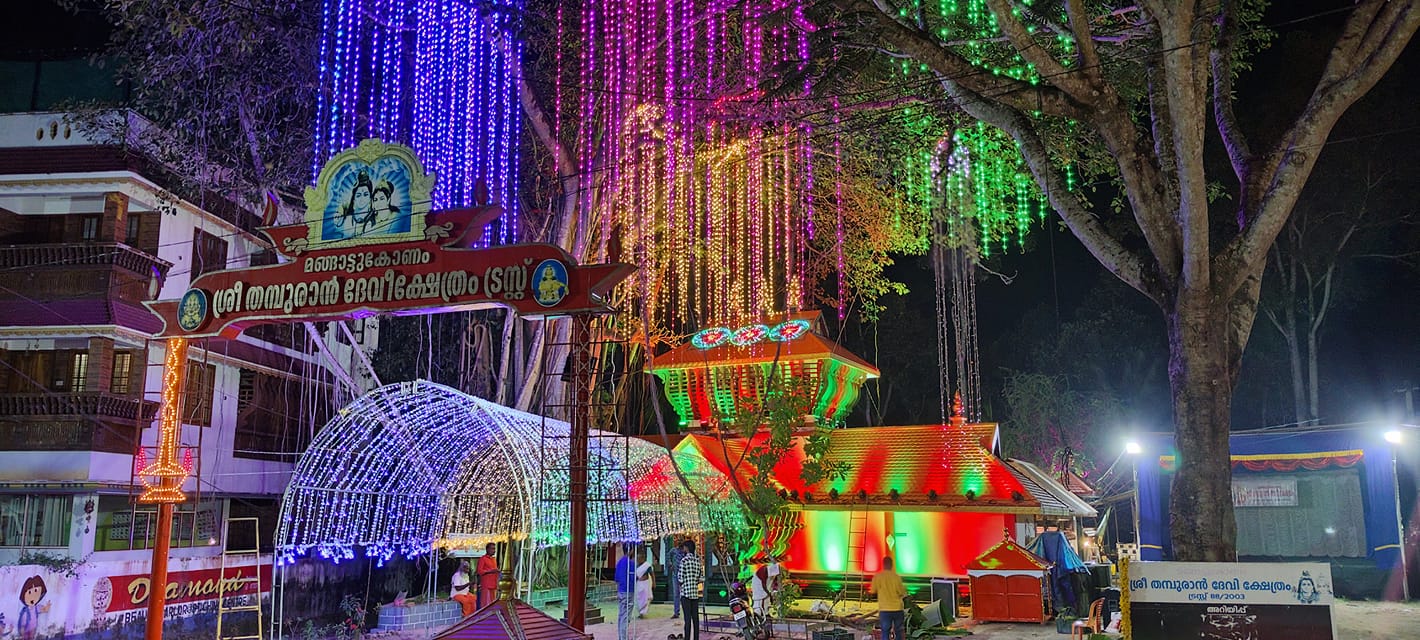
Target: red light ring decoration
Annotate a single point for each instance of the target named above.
(789, 330)
(710, 338)
(748, 335)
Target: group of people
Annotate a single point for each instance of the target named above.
(634, 581)
(488, 573)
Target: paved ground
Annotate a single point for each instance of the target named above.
(1354, 621)
(658, 625)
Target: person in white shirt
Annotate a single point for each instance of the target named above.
(763, 586)
(644, 584)
(460, 592)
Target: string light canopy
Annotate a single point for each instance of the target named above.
(415, 466)
(436, 75)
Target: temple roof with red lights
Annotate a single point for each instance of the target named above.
(1007, 556)
(515, 620)
(927, 468)
(721, 370)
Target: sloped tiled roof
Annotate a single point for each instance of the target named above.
(1055, 499)
(932, 467)
(1007, 556)
(515, 620)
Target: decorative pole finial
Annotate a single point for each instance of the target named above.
(958, 412)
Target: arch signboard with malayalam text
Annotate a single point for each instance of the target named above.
(369, 245)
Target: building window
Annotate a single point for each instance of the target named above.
(35, 521)
(209, 253)
(274, 416)
(123, 526)
(262, 258)
(122, 381)
(79, 373)
(89, 229)
(134, 227)
(197, 401)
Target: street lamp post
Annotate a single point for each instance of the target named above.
(1133, 449)
(1395, 438)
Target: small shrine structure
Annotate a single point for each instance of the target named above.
(1009, 584)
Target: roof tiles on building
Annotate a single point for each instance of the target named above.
(505, 620)
(931, 467)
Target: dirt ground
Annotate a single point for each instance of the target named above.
(1355, 620)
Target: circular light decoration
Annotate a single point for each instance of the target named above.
(710, 338)
(748, 335)
(789, 330)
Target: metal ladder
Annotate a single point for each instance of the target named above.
(238, 584)
(857, 544)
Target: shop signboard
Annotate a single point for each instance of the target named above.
(1230, 601)
(369, 244)
(108, 599)
(1264, 492)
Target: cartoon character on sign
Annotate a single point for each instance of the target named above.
(356, 212)
(383, 212)
(1306, 589)
(193, 310)
(31, 593)
(368, 200)
(551, 283)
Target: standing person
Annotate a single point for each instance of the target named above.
(645, 582)
(891, 618)
(673, 577)
(625, 577)
(488, 576)
(460, 592)
(691, 572)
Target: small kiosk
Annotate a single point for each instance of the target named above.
(1008, 584)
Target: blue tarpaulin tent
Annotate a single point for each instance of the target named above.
(1064, 563)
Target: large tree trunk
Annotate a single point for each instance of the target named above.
(1200, 503)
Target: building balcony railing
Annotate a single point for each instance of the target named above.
(83, 254)
(105, 405)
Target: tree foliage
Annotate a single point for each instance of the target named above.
(230, 85)
(1126, 94)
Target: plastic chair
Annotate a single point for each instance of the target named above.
(1091, 624)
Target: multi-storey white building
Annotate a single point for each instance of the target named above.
(89, 230)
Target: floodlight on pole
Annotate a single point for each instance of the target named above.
(1396, 437)
(1133, 448)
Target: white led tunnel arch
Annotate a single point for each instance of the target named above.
(417, 465)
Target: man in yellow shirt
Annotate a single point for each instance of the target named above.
(891, 618)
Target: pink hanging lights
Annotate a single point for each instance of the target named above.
(702, 181)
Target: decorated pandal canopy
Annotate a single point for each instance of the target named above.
(723, 370)
(416, 465)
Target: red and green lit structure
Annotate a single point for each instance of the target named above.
(933, 497)
(721, 370)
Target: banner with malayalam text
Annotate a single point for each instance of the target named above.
(1230, 601)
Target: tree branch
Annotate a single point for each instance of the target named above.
(1221, 59)
(928, 50)
(1050, 69)
(1084, 41)
(1119, 260)
(1350, 72)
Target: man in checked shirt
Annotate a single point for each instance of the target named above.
(691, 573)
